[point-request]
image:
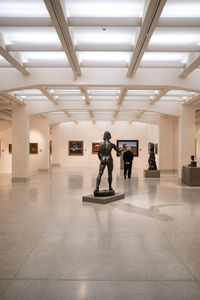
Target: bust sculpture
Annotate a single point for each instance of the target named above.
(106, 159)
(152, 160)
(192, 163)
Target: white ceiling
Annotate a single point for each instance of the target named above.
(122, 36)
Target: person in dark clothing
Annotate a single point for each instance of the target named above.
(128, 159)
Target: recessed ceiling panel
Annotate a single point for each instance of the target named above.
(104, 8)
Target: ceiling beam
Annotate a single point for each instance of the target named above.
(7, 97)
(192, 100)
(122, 95)
(151, 18)
(85, 95)
(162, 93)
(11, 59)
(59, 22)
(192, 64)
(91, 113)
(5, 116)
(116, 113)
(47, 94)
(67, 113)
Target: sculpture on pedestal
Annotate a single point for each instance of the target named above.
(193, 163)
(152, 160)
(105, 158)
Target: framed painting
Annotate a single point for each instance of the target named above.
(33, 148)
(95, 148)
(134, 144)
(75, 148)
(10, 148)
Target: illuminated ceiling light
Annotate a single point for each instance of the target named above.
(31, 36)
(51, 92)
(105, 8)
(183, 9)
(56, 97)
(156, 92)
(151, 97)
(184, 98)
(168, 37)
(164, 57)
(51, 56)
(23, 97)
(104, 56)
(83, 97)
(23, 8)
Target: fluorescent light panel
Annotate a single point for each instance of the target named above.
(140, 92)
(177, 36)
(111, 36)
(104, 56)
(43, 56)
(36, 36)
(181, 9)
(23, 8)
(104, 8)
(175, 57)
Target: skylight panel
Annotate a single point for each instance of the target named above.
(141, 92)
(111, 36)
(165, 57)
(43, 56)
(104, 59)
(178, 36)
(36, 36)
(23, 8)
(181, 9)
(105, 8)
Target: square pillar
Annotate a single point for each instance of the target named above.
(20, 143)
(56, 151)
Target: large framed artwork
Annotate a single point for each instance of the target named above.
(33, 148)
(134, 144)
(75, 148)
(95, 147)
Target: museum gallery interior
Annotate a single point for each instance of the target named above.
(81, 82)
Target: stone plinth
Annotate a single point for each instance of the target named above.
(191, 176)
(103, 200)
(152, 173)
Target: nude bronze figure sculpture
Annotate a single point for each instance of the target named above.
(105, 158)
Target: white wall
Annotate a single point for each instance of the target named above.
(89, 133)
(39, 133)
(5, 139)
(168, 142)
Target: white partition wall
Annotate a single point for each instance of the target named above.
(187, 133)
(20, 143)
(56, 145)
(39, 133)
(168, 143)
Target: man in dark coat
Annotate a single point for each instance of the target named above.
(128, 159)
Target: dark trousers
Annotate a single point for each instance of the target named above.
(128, 168)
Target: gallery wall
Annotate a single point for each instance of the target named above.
(88, 132)
(5, 140)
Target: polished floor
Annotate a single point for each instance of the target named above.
(53, 246)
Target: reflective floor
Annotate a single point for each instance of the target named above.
(53, 246)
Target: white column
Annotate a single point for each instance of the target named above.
(56, 151)
(186, 136)
(20, 143)
(168, 144)
(44, 154)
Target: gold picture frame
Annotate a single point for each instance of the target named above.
(75, 148)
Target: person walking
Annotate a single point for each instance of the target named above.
(128, 159)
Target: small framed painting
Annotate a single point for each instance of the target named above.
(75, 148)
(95, 148)
(9, 148)
(33, 148)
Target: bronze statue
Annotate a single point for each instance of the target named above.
(193, 163)
(105, 158)
(152, 159)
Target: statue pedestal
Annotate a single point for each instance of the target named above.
(152, 173)
(191, 176)
(103, 200)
